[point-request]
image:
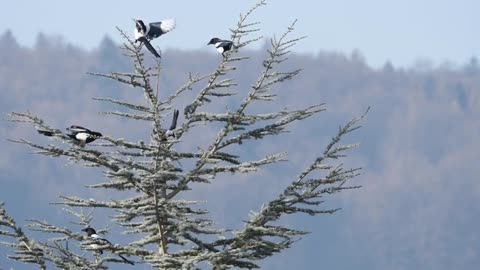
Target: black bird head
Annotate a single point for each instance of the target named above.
(89, 231)
(214, 40)
(140, 26)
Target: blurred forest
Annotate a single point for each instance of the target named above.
(419, 147)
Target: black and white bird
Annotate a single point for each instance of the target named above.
(79, 134)
(221, 45)
(170, 132)
(144, 33)
(83, 135)
(97, 242)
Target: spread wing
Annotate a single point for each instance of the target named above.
(159, 28)
(77, 129)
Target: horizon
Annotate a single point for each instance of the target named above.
(418, 64)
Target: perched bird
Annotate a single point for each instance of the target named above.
(221, 45)
(83, 135)
(164, 134)
(79, 134)
(171, 131)
(144, 33)
(98, 241)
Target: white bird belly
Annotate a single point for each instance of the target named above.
(82, 136)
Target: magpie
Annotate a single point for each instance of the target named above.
(83, 135)
(97, 241)
(221, 45)
(144, 33)
(170, 132)
(79, 134)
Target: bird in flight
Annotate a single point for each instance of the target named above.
(221, 45)
(97, 242)
(79, 134)
(144, 33)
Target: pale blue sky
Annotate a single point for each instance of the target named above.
(418, 208)
(401, 31)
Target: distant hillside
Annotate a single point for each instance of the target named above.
(420, 148)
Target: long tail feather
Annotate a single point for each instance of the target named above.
(174, 120)
(125, 260)
(149, 46)
(45, 132)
